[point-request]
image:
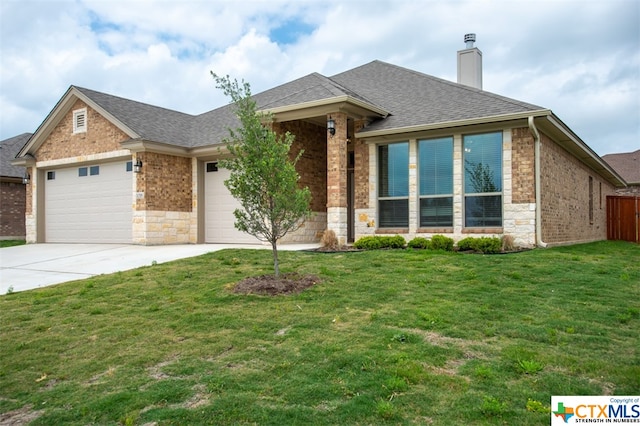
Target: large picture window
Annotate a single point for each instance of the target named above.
(435, 158)
(483, 180)
(393, 185)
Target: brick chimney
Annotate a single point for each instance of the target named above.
(470, 64)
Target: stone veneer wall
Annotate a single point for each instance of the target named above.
(631, 190)
(311, 230)
(152, 227)
(565, 197)
(12, 210)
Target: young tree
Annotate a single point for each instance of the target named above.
(263, 176)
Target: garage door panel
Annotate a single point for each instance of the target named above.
(92, 208)
(219, 208)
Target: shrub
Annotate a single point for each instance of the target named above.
(490, 245)
(482, 244)
(397, 241)
(329, 240)
(368, 243)
(440, 242)
(508, 243)
(379, 241)
(419, 243)
(466, 244)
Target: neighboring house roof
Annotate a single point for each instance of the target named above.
(627, 164)
(9, 148)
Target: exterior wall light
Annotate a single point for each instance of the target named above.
(138, 166)
(331, 126)
(27, 178)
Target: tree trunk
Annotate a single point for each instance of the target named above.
(276, 267)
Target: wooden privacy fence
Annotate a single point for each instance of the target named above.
(623, 218)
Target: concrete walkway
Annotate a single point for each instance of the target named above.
(33, 266)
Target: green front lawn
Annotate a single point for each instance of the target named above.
(11, 243)
(389, 337)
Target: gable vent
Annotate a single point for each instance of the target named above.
(80, 120)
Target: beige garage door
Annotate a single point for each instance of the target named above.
(219, 207)
(89, 204)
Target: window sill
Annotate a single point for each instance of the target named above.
(483, 230)
(392, 231)
(435, 230)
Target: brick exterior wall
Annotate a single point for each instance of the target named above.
(361, 169)
(523, 182)
(337, 163)
(101, 136)
(337, 187)
(28, 207)
(312, 166)
(12, 210)
(565, 197)
(166, 182)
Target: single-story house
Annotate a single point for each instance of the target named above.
(12, 189)
(627, 164)
(387, 150)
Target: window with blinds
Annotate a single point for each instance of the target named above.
(483, 180)
(435, 157)
(393, 185)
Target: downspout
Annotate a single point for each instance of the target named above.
(536, 139)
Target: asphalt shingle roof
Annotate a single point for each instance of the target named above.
(627, 164)
(9, 148)
(412, 98)
(149, 122)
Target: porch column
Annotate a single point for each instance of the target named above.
(337, 178)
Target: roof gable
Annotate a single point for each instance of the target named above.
(148, 122)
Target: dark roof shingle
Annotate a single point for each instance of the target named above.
(149, 122)
(9, 148)
(627, 164)
(412, 98)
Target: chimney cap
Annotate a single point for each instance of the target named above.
(469, 39)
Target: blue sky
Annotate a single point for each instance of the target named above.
(580, 59)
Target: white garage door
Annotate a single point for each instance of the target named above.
(219, 207)
(89, 204)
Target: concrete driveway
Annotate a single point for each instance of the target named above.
(39, 265)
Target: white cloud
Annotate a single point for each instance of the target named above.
(578, 58)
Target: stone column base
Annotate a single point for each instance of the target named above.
(337, 222)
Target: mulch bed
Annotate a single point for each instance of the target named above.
(269, 285)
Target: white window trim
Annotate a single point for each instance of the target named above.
(80, 115)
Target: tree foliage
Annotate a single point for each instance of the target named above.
(481, 177)
(263, 175)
